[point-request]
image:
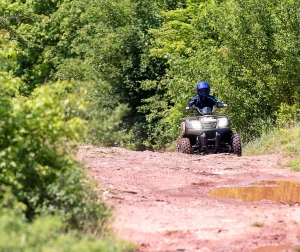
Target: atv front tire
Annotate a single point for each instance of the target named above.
(236, 145)
(183, 145)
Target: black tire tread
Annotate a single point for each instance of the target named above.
(183, 145)
(236, 145)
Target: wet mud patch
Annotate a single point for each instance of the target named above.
(279, 191)
(162, 202)
(279, 248)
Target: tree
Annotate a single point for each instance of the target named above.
(104, 42)
(238, 47)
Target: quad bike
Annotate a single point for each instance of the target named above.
(207, 133)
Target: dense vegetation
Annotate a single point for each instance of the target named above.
(119, 73)
(46, 198)
(46, 233)
(141, 61)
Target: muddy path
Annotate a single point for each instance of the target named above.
(163, 201)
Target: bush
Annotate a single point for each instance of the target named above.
(46, 233)
(36, 137)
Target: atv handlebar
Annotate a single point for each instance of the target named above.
(203, 111)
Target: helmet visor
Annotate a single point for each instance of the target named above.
(203, 92)
(203, 89)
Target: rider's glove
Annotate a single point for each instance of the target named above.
(221, 105)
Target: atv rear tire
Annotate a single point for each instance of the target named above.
(183, 145)
(236, 145)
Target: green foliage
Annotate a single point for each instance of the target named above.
(281, 140)
(103, 42)
(188, 47)
(46, 233)
(284, 140)
(160, 128)
(8, 52)
(141, 60)
(287, 115)
(294, 164)
(240, 48)
(36, 139)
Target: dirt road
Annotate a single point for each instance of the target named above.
(163, 201)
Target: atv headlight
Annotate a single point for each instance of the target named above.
(223, 122)
(194, 124)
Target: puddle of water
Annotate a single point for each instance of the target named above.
(278, 248)
(280, 191)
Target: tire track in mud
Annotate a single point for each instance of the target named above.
(162, 200)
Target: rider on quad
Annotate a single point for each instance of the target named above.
(207, 132)
(203, 99)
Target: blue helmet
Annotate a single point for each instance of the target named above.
(202, 89)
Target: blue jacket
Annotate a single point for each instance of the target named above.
(208, 101)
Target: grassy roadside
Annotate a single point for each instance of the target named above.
(283, 140)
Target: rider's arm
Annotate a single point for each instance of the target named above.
(221, 105)
(192, 102)
(217, 103)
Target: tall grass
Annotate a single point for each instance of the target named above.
(278, 140)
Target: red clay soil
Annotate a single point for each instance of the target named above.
(162, 201)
